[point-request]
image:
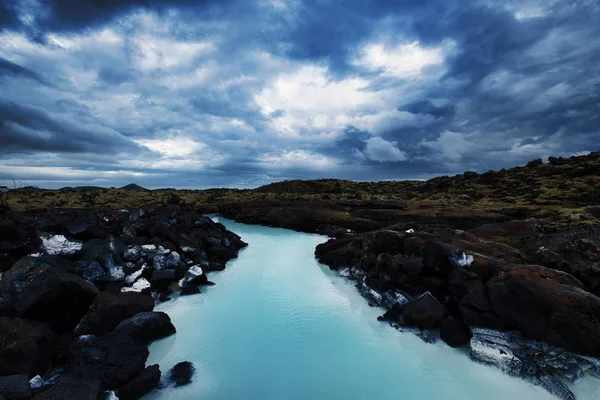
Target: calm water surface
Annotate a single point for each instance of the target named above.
(280, 326)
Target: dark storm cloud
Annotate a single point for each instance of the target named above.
(8, 16)
(220, 91)
(69, 15)
(426, 107)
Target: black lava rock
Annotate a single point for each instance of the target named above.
(147, 327)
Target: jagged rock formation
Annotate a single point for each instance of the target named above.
(78, 290)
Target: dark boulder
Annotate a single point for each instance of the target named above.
(221, 254)
(147, 327)
(15, 387)
(113, 359)
(394, 314)
(547, 305)
(454, 332)
(16, 241)
(180, 375)
(85, 228)
(27, 347)
(194, 276)
(215, 266)
(71, 387)
(161, 279)
(142, 384)
(424, 312)
(44, 293)
(109, 310)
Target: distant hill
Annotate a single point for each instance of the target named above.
(134, 188)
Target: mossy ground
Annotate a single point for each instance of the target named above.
(564, 191)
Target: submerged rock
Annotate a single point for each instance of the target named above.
(189, 290)
(181, 374)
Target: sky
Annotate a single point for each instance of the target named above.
(241, 93)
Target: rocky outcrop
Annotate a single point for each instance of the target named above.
(474, 289)
(78, 290)
(36, 290)
(147, 327)
(113, 359)
(547, 306)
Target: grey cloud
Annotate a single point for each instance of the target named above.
(30, 129)
(11, 69)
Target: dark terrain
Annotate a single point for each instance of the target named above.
(505, 262)
(77, 292)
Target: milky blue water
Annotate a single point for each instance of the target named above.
(278, 325)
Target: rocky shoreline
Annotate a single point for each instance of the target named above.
(77, 293)
(480, 294)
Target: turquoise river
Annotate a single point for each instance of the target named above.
(278, 325)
